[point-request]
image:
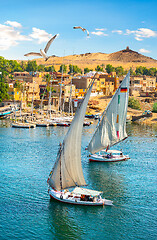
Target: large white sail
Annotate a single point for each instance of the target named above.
(112, 127)
(67, 171)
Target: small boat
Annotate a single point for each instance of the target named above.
(111, 128)
(66, 180)
(86, 123)
(90, 116)
(145, 114)
(42, 124)
(23, 125)
(63, 124)
(5, 111)
(38, 123)
(108, 156)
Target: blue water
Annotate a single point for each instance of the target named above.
(26, 212)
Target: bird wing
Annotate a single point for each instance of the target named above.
(77, 27)
(32, 54)
(83, 29)
(49, 43)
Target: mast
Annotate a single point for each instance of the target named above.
(32, 99)
(21, 100)
(49, 103)
(70, 98)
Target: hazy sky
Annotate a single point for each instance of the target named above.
(113, 25)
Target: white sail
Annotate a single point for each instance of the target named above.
(67, 171)
(112, 127)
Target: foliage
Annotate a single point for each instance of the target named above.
(152, 71)
(146, 71)
(109, 68)
(155, 107)
(14, 66)
(63, 68)
(99, 69)
(86, 70)
(18, 85)
(47, 78)
(132, 72)
(31, 66)
(23, 66)
(50, 69)
(29, 104)
(134, 103)
(74, 69)
(41, 68)
(4, 87)
(119, 71)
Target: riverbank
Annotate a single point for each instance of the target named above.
(99, 103)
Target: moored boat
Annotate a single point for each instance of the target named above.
(23, 125)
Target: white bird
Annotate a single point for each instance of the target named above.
(83, 29)
(43, 52)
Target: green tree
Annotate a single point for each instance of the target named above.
(31, 66)
(155, 107)
(74, 69)
(63, 68)
(119, 71)
(14, 66)
(152, 71)
(18, 85)
(132, 72)
(23, 66)
(86, 70)
(41, 68)
(50, 69)
(109, 68)
(4, 87)
(139, 70)
(133, 103)
(99, 69)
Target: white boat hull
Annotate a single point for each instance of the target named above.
(64, 197)
(23, 125)
(101, 158)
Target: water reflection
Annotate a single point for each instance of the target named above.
(62, 222)
(105, 177)
(138, 130)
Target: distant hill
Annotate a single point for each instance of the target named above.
(128, 55)
(126, 58)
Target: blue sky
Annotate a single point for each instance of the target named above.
(26, 26)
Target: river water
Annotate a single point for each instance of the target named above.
(26, 212)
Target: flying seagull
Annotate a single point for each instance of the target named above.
(83, 29)
(43, 52)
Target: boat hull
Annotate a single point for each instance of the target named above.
(100, 158)
(76, 200)
(24, 125)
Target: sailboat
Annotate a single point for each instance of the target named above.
(112, 127)
(66, 180)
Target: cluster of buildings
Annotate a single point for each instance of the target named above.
(25, 87)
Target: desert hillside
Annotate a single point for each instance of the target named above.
(126, 58)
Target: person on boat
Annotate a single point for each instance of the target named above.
(109, 155)
(121, 154)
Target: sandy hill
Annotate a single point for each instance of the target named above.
(126, 58)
